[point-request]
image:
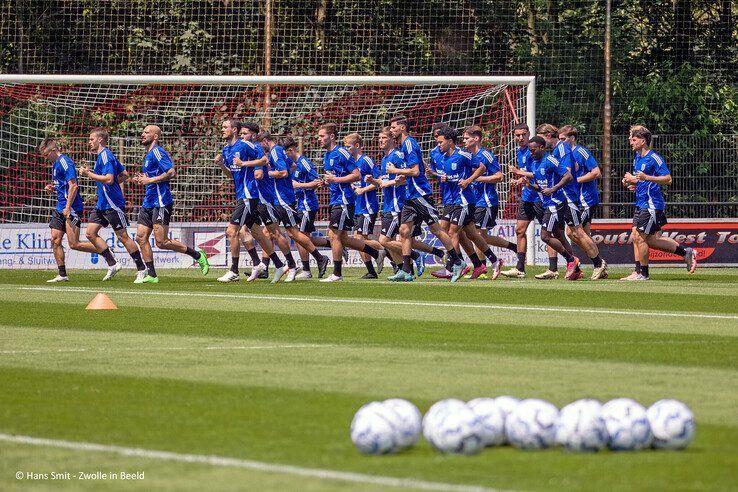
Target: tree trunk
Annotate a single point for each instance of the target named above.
(320, 14)
(532, 27)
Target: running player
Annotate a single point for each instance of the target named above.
(66, 218)
(156, 209)
(108, 174)
(285, 204)
(649, 173)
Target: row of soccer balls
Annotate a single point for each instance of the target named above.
(453, 426)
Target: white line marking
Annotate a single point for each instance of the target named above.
(387, 302)
(247, 464)
(155, 349)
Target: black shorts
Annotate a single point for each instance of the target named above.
(156, 215)
(446, 215)
(342, 217)
(245, 212)
(365, 223)
(419, 210)
(287, 215)
(307, 220)
(649, 220)
(572, 215)
(588, 213)
(59, 223)
(486, 217)
(462, 215)
(390, 224)
(530, 211)
(266, 213)
(113, 218)
(554, 219)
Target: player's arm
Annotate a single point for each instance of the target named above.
(123, 177)
(662, 179)
(590, 176)
(565, 179)
(481, 169)
(107, 179)
(167, 175)
(72, 190)
(492, 178)
(410, 171)
(262, 161)
(352, 177)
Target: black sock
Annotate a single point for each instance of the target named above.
(277, 262)
(393, 264)
(644, 270)
(290, 261)
(453, 256)
(337, 267)
(62, 270)
(255, 260)
(328, 245)
(305, 265)
(109, 259)
(680, 251)
(521, 262)
(370, 267)
(567, 256)
(265, 261)
(553, 263)
(475, 260)
(490, 255)
(638, 267)
(414, 255)
(234, 264)
(151, 269)
(136, 255)
(512, 247)
(316, 254)
(370, 251)
(597, 261)
(407, 264)
(437, 252)
(194, 254)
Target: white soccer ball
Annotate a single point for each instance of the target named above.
(453, 427)
(506, 404)
(532, 424)
(627, 424)
(581, 426)
(492, 420)
(372, 430)
(672, 424)
(407, 420)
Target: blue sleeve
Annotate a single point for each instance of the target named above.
(562, 168)
(311, 172)
(71, 173)
(661, 169)
(280, 164)
(494, 166)
(258, 151)
(350, 165)
(108, 168)
(410, 154)
(165, 163)
(376, 171)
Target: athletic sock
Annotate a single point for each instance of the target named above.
(567, 256)
(109, 258)
(512, 247)
(277, 262)
(393, 264)
(62, 270)
(136, 255)
(370, 267)
(305, 265)
(337, 267)
(521, 262)
(370, 251)
(490, 255)
(151, 269)
(328, 244)
(453, 256)
(638, 267)
(234, 264)
(290, 261)
(407, 264)
(475, 260)
(680, 251)
(316, 254)
(437, 252)
(265, 261)
(553, 263)
(644, 270)
(597, 261)
(255, 260)
(414, 255)
(192, 253)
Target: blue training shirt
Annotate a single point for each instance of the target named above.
(434, 162)
(648, 193)
(547, 173)
(458, 166)
(525, 163)
(265, 185)
(305, 173)
(585, 162)
(244, 183)
(109, 196)
(367, 203)
(417, 186)
(486, 192)
(156, 162)
(338, 161)
(562, 152)
(284, 194)
(394, 196)
(62, 172)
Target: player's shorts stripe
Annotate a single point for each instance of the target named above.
(431, 208)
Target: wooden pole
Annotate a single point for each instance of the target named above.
(607, 119)
(267, 61)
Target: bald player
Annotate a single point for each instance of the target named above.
(156, 210)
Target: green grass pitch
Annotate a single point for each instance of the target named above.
(274, 373)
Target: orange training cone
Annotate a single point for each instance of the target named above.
(101, 301)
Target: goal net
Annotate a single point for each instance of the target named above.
(190, 110)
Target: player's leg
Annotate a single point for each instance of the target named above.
(57, 234)
(98, 221)
(72, 230)
(143, 235)
(475, 236)
(521, 234)
(232, 275)
(132, 248)
(248, 241)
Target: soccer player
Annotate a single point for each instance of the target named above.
(340, 172)
(305, 180)
(285, 204)
(549, 178)
(487, 200)
(366, 205)
(572, 214)
(649, 173)
(459, 174)
(65, 219)
(108, 174)
(418, 206)
(245, 174)
(156, 210)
